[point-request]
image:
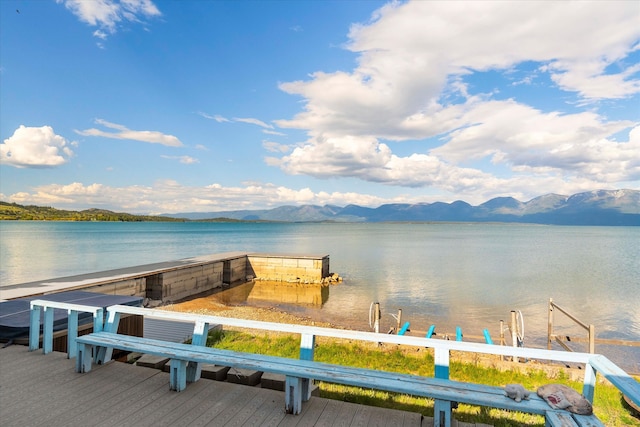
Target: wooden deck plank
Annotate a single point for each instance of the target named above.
(233, 407)
(336, 414)
(37, 389)
(360, 417)
(309, 416)
(87, 390)
(210, 411)
(110, 403)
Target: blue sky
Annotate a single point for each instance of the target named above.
(164, 106)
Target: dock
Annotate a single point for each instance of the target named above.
(37, 389)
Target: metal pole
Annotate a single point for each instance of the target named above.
(592, 339)
(514, 334)
(502, 342)
(376, 318)
(550, 324)
(399, 319)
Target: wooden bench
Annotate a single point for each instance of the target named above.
(298, 374)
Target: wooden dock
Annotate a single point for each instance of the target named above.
(37, 389)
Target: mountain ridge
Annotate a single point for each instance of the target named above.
(598, 207)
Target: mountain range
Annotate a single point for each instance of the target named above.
(600, 207)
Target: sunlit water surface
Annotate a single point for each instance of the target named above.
(468, 275)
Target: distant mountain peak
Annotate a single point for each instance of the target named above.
(598, 207)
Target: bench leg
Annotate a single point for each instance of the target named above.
(293, 395)
(194, 371)
(178, 374)
(442, 413)
(84, 358)
(307, 385)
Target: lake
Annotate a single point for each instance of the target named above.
(467, 275)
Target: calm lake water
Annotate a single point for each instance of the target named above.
(468, 275)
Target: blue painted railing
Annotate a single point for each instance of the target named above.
(48, 308)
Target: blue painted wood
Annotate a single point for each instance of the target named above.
(103, 354)
(178, 374)
(587, 421)
(442, 413)
(559, 419)
(441, 360)
(47, 330)
(199, 337)
(404, 329)
(34, 327)
(72, 333)
(458, 333)
(307, 352)
(431, 331)
(616, 376)
(487, 337)
(293, 395)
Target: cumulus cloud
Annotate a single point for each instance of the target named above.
(411, 83)
(153, 137)
(35, 147)
(107, 15)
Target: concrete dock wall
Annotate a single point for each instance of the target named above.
(286, 268)
(179, 280)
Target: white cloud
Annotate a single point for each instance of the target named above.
(153, 137)
(35, 147)
(253, 122)
(108, 14)
(187, 160)
(411, 83)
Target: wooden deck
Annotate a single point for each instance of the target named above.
(37, 389)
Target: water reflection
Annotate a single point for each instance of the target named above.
(278, 293)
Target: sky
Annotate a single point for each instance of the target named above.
(153, 107)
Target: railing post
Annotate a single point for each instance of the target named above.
(550, 324)
(376, 318)
(98, 320)
(307, 350)
(441, 408)
(72, 333)
(47, 330)
(34, 327)
(589, 386)
(399, 320)
(514, 333)
(441, 360)
(199, 338)
(103, 354)
(592, 339)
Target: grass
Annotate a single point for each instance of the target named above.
(608, 403)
